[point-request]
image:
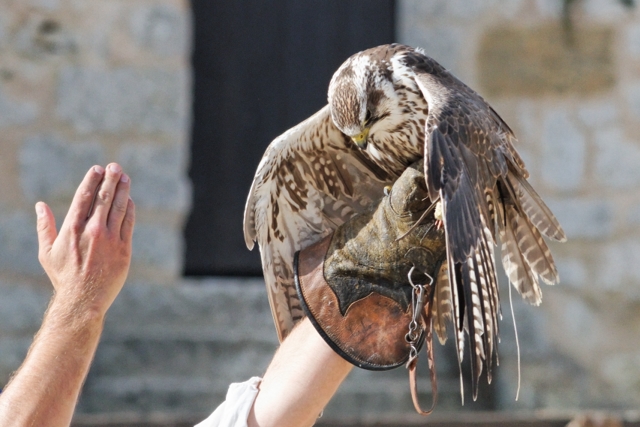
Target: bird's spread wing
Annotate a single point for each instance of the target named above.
(472, 166)
(310, 180)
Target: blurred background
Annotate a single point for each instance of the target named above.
(187, 95)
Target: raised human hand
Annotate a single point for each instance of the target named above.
(88, 260)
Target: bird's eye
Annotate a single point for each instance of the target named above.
(367, 118)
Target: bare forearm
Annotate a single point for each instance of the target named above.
(303, 376)
(45, 389)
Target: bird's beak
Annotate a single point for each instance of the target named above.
(361, 138)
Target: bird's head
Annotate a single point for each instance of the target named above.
(358, 95)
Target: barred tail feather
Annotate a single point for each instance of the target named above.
(515, 264)
(442, 307)
(534, 248)
(469, 276)
(457, 310)
(535, 208)
(487, 309)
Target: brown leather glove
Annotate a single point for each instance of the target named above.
(355, 285)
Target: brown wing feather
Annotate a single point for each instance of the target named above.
(473, 167)
(310, 180)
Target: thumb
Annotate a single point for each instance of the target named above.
(46, 226)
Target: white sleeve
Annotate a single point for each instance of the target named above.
(234, 411)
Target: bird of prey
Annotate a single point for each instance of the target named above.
(388, 107)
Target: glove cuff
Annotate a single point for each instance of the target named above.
(371, 333)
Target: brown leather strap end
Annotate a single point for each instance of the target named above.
(413, 381)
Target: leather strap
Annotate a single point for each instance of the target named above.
(412, 365)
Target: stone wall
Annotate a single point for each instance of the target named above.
(84, 82)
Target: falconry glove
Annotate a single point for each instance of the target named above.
(368, 287)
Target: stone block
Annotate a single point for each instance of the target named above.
(3, 29)
(48, 5)
(549, 8)
(633, 216)
(21, 308)
(173, 395)
(442, 10)
(526, 126)
(182, 357)
(507, 9)
(599, 320)
(51, 168)
(19, 248)
(442, 43)
(15, 112)
(598, 114)
(619, 268)
(617, 160)
(527, 122)
(157, 173)
(584, 218)
(632, 94)
(123, 99)
(98, 24)
(576, 317)
(159, 247)
(573, 271)
(539, 60)
(42, 36)
(554, 383)
(224, 310)
(161, 28)
(564, 152)
(13, 351)
(632, 38)
(167, 102)
(605, 10)
(623, 371)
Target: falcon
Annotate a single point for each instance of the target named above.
(388, 107)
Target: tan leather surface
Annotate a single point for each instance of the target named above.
(368, 333)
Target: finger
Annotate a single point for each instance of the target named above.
(106, 193)
(126, 231)
(119, 205)
(46, 227)
(83, 199)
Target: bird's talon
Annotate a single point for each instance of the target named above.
(438, 215)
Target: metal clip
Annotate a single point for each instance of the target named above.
(413, 355)
(418, 297)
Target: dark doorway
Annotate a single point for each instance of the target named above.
(260, 67)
